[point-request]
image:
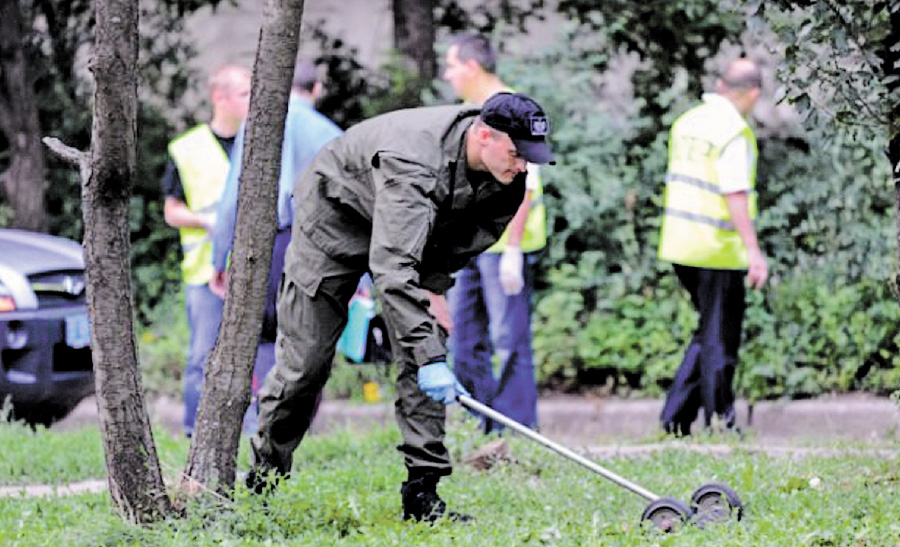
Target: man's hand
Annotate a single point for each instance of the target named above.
(436, 381)
(758, 269)
(208, 221)
(218, 283)
(512, 271)
(440, 310)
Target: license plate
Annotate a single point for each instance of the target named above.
(78, 331)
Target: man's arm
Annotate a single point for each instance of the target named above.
(517, 224)
(512, 263)
(403, 217)
(177, 215)
(734, 168)
(758, 270)
(223, 235)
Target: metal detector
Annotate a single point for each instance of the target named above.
(713, 502)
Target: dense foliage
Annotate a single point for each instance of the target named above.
(607, 313)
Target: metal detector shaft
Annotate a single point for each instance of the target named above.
(489, 412)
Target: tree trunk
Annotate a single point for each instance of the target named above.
(23, 182)
(414, 34)
(891, 64)
(226, 388)
(135, 480)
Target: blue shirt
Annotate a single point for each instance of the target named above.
(305, 132)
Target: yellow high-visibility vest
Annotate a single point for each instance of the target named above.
(534, 237)
(203, 166)
(696, 226)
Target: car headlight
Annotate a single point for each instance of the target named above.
(15, 291)
(7, 303)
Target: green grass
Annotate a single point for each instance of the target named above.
(345, 491)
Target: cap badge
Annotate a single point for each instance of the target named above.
(539, 126)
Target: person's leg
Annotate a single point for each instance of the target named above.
(469, 342)
(276, 270)
(309, 325)
(265, 360)
(510, 329)
(735, 303)
(720, 296)
(204, 312)
(683, 398)
(421, 421)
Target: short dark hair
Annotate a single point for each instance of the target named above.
(305, 76)
(477, 47)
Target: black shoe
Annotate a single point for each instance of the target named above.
(678, 429)
(422, 503)
(259, 481)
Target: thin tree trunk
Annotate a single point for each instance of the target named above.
(414, 34)
(891, 64)
(23, 182)
(135, 479)
(226, 388)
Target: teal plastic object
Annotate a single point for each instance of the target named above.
(352, 343)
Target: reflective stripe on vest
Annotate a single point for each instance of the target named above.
(203, 167)
(534, 237)
(696, 227)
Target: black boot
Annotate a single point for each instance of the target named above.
(421, 501)
(260, 481)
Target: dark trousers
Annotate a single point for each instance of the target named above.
(270, 316)
(705, 377)
(489, 323)
(312, 313)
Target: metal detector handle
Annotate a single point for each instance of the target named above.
(489, 412)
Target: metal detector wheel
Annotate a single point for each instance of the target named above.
(666, 514)
(716, 502)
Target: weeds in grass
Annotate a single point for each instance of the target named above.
(344, 490)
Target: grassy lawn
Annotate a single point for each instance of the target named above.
(345, 491)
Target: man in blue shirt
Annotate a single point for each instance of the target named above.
(305, 132)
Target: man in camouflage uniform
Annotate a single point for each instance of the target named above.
(409, 196)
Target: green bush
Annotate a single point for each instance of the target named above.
(608, 313)
(163, 346)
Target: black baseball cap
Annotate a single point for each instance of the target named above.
(523, 119)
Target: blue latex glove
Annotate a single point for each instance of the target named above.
(439, 383)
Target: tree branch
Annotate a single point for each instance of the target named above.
(81, 159)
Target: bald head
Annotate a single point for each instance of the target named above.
(741, 74)
(741, 83)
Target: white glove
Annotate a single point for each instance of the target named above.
(209, 221)
(511, 271)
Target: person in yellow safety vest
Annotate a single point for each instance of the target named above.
(490, 302)
(192, 185)
(708, 235)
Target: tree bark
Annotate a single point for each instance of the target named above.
(135, 480)
(891, 64)
(414, 34)
(23, 182)
(226, 388)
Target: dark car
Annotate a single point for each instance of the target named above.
(45, 354)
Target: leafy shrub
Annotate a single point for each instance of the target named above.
(163, 346)
(608, 313)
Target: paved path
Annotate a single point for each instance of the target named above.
(585, 421)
